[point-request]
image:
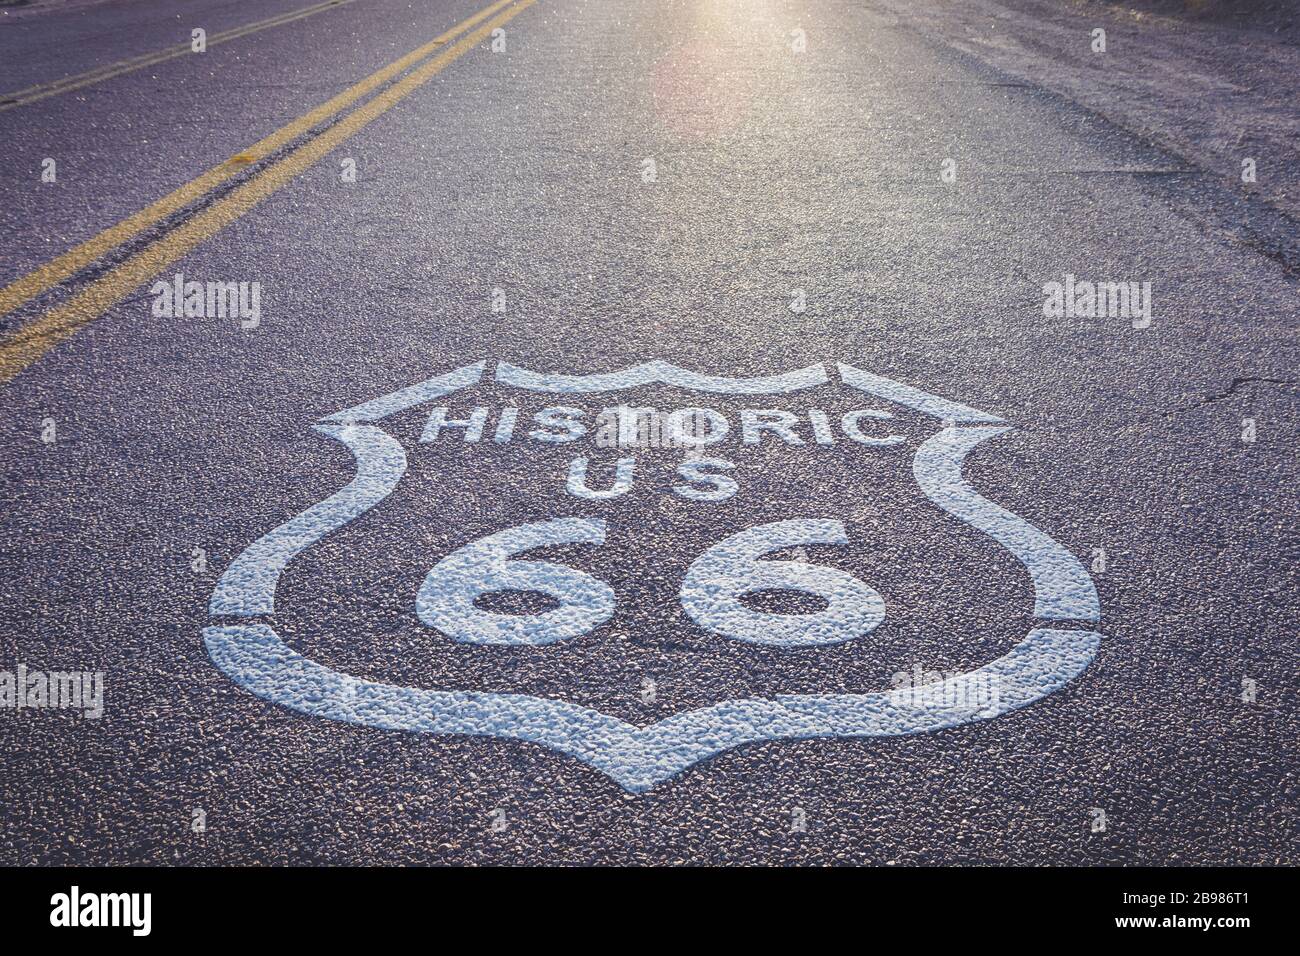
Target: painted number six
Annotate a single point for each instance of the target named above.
(710, 592)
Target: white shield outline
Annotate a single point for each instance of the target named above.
(637, 758)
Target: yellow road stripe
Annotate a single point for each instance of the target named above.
(32, 341)
(45, 277)
(34, 94)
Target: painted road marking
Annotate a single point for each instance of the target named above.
(1063, 591)
(662, 373)
(29, 343)
(68, 264)
(717, 579)
(637, 758)
(248, 586)
(33, 94)
(446, 598)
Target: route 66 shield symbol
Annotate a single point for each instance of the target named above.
(719, 457)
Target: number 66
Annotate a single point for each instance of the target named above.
(710, 592)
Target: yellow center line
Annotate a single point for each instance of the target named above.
(33, 94)
(45, 277)
(32, 341)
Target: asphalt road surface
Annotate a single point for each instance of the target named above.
(814, 623)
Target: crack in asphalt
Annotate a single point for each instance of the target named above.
(1241, 380)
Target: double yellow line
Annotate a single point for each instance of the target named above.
(10, 101)
(33, 340)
